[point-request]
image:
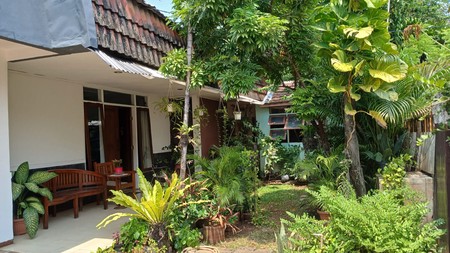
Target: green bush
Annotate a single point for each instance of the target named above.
(394, 172)
(193, 207)
(132, 234)
(382, 221)
(232, 176)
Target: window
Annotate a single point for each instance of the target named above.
(141, 101)
(285, 126)
(90, 94)
(117, 97)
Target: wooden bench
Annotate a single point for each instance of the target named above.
(73, 185)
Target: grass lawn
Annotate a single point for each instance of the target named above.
(275, 200)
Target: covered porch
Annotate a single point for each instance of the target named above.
(70, 235)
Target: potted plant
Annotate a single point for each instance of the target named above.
(201, 114)
(26, 190)
(169, 107)
(219, 219)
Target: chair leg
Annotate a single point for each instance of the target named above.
(105, 199)
(75, 208)
(97, 199)
(45, 217)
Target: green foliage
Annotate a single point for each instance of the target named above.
(279, 159)
(394, 172)
(356, 40)
(322, 170)
(432, 12)
(156, 203)
(175, 65)
(232, 176)
(415, 46)
(270, 149)
(133, 233)
(254, 30)
(155, 207)
(186, 236)
(194, 207)
(26, 188)
(382, 221)
(313, 102)
(227, 35)
(164, 103)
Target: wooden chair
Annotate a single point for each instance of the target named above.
(117, 182)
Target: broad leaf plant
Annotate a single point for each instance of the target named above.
(356, 40)
(26, 190)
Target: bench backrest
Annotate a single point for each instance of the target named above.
(74, 179)
(90, 178)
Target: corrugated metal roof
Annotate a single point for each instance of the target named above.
(128, 66)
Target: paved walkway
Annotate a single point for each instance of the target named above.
(69, 235)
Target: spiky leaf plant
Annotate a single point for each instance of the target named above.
(155, 206)
(25, 190)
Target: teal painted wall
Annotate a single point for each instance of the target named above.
(262, 117)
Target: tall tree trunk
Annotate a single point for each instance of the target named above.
(323, 136)
(352, 153)
(184, 140)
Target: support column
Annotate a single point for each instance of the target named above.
(6, 219)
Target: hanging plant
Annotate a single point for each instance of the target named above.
(169, 107)
(237, 113)
(201, 114)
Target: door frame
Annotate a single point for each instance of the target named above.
(87, 139)
(139, 130)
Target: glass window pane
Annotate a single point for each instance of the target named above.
(117, 98)
(90, 94)
(277, 120)
(141, 101)
(292, 122)
(278, 133)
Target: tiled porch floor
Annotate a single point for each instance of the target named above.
(69, 235)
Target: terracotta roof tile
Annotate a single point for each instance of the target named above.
(135, 30)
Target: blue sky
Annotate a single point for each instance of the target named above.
(162, 5)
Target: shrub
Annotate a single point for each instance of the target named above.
(382, 221)
(394, 172)
(133, 234)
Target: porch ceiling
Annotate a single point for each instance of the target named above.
(89, 69)
(17, 51)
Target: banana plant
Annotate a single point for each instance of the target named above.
(26, 189)
(155, 206)
(356, 41)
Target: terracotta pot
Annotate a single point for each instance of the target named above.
(324, 215)
(213, 234)
(19, 227)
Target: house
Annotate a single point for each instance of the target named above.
(78, 84)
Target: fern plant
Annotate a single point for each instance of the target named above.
(26, 188)
(381, 221)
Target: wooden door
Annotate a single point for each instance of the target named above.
(111, 136)
(117, 135)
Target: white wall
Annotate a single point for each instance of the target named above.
(6, 230)
(46, 120)
(160, 126)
